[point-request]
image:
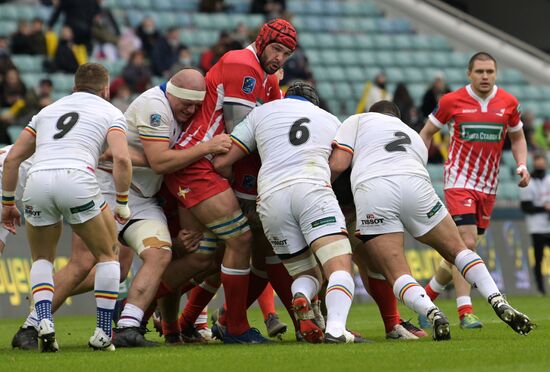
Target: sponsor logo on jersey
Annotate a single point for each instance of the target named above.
(434, 210)
(30, 211)
(248, 84)
(469, 111)
(182, 192)
(371, 219)
(154, 120)
(323, 221)
(83, 207)
(481, 132)
(500, 112)
(468, 202)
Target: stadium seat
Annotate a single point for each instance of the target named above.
(349, 57)
(344, 92)
(14, 131)
(402, 42)
(402, 59)
(438, 42)
(27, 63)
(330, 57)
(438, 187)
(383, 42)
(394, 74)
(440, 59)
(511, 76)
(320, 73)
(459, 59)
(9, 12)
(336, 74)
(355, 74)
(62, 82)
(307, 40)
(358, 89)
(345, 41)
(505, 174)
(163, 5)
(508, 158)
(533, 92)
(508, 191)
(363, 41)
(384, 58)
(326, 90)
(143, 4)
(32, 79)
(314, 57)
(436, 172)
(414, 75)
(7, 27)
(326, 40)
(365, 25)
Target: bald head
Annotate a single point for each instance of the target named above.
(185, 93)
(189, 78)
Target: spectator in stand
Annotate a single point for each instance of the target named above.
(21, 39)
(38, 37)
(35, 100)
(185, 59)
(137, 74)
(269, 8)
(404, 101)
(5, 60)
(241, 33)
(149, 35)
(105, 33)
(542, 135)
(210, 56)
(434, 92)
(128, 42)
(374, 92)
(13, 89)
(528, 119)
(535, 203)
(211, 6)
(165, 52)
(122, 98)
(79, 16)
(65, 58)
(297, 67)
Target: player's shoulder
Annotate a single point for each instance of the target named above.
(505, 95)
(241, 59)
(152, 99)
(454, 95)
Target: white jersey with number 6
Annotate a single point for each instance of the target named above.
(71, 132)
(293, 138)
(381, 145)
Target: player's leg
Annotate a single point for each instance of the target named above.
(222, 215)
(150, 238)
(99, 235)
(539, 241)
(43, 243)
(444, 237)
(386, 254)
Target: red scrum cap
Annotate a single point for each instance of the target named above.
(276, 31)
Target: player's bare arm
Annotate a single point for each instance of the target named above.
(164, 160)
(24, 147)
(428, 132)
(122, 173)
(233, 113)
(339, 161)
(222, 163)
(138, 159)
(519, 149)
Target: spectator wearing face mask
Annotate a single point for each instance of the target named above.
(374, 91)
(185, 59)
(165, 52)
(535, 203)
(148, 34)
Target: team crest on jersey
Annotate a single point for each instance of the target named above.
(154, 120)
(249, 182)
(248, 84)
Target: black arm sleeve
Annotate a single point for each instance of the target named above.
(529, 208)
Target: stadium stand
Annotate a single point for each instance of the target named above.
(346, 43)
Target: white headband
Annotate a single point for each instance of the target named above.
(182, 93)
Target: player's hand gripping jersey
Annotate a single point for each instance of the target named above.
(479, 127)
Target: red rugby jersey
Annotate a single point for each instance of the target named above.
(478, 129)
(236, 78)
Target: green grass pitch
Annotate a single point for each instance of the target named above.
(494, 348)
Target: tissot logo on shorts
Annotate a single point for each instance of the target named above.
(481, 132)
(278, 242)
(30, 211)
(372, 220)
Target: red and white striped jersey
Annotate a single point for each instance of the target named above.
(478, 130)
(237, 78)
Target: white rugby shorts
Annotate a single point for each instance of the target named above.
(297, 215)
(56, 194)
(392, 204)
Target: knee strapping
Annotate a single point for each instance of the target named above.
(303, 265)
(230, 227)
(208, 244)
(334, 249)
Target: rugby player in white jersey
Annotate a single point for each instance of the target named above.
(67, 139)
(297, 207)
(23, 169)
(155, 120)
(392, 192)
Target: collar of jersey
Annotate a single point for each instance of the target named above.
(298, 98)
(163, 87)
(483, 102)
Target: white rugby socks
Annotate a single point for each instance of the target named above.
(106, 286)
(407, 289)
(473, 269)
(306, 285)
(41, 278)
(338, 298)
